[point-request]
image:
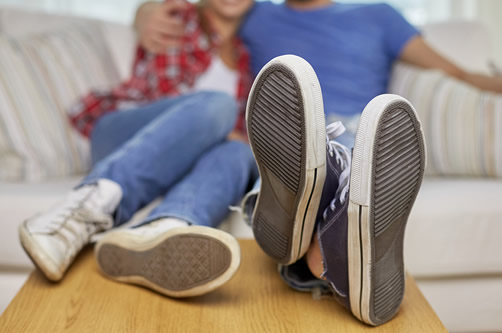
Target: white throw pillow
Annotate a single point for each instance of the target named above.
(40, 77)
(462, 124)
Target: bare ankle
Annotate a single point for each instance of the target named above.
(314, 258)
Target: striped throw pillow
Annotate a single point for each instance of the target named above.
(462, 124)
(40, 77)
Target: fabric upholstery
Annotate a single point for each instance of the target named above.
(40, 76)
(462, 124)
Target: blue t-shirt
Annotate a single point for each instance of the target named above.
(351, 46)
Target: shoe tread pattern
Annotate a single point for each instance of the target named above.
(271, 240)
(276, 131)
(276, 128)
(178, 263)
(398, 160)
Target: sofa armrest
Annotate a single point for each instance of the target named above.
(462, 124)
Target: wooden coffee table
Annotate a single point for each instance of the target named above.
(255, 300)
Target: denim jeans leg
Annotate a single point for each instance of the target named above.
(164, 150)
(114, 129)
(219, 179)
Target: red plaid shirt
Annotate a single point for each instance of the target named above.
(156, 76)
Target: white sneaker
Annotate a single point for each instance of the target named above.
(170, 257)
(53, 239)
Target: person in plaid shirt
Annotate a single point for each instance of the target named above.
(174, 130)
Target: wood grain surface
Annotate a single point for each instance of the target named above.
(255, 300)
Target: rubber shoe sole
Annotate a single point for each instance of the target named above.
(45, 264)
(181, 262)
(386, 174)
(286, 128)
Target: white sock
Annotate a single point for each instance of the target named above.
(175, 222)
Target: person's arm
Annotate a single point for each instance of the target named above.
(158, 25)
(418, 53)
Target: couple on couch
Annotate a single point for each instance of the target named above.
(181, 134)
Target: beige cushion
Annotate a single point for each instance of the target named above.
(40, 77)
(19, 23)
(121, 39)
(469, 304)
(455, 227)
(462, 124)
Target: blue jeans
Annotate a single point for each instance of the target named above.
(176, 148)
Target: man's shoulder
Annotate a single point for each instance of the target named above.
(263, 6)
(260, 12)
(266, 7)
(365, 7)
(368, 12)
(372, 12)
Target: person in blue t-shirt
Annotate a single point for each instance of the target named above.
(352, 48)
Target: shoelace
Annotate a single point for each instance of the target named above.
(70, 208)
(343, 158)
(90, 223)
(74, 209)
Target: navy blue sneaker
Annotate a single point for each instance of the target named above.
(298, 275)
(361, 231)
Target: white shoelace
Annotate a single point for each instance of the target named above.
(74, 209)
(69, 209)
(89, 222)
(343, 158)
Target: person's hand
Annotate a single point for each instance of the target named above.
(485, 82)
(159, 25)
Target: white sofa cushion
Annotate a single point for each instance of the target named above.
(120, 39)
(470, 304)
(455, 227)
(40, 77)
(462, 124)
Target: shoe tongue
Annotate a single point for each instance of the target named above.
(331, 183)
(106, 197)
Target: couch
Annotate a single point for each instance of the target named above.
(453, 246)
